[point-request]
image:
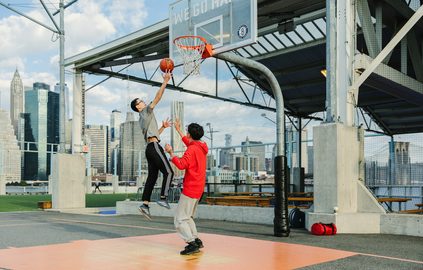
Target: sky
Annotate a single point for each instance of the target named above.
(34, 51)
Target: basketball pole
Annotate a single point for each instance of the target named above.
(280, 222)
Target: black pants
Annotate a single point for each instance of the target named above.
(157, 161)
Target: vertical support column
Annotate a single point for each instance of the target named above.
(331, 104)
(62, 111)
(77, 113)
(404, 58)
(347, 42)
(379, 25)
(340, 46)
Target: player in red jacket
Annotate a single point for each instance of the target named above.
(194, 163)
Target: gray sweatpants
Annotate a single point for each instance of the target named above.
(184, 222)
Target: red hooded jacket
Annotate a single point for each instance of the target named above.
(194, 163)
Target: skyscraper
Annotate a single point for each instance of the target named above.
(42, 129)
(10, 155)
(132, 149)
(16, 101)
(115, 121)
(177, 112)
(256, 148)
(98, 136)
(225, 157)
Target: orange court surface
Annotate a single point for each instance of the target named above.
(162, 252)
(51, 240)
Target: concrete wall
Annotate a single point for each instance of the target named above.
(257, 215)
(366, 222)
(68, 181)
(403, 224)
(2, 186)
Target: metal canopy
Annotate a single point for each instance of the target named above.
(291, 44)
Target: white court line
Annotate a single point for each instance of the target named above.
(59, 220)
(23, 224)
(390, 258)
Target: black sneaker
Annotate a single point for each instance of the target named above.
(199, 242)
(163, 203)
(190, 249)
(145, 211)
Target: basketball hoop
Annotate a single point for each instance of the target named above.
(192, 50)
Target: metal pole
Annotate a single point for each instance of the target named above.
(281, 223)
(62, 121)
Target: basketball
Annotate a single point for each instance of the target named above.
(166, 64)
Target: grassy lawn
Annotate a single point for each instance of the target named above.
(12, 203)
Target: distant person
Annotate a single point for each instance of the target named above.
(194, 163)
(155, 154)
(97, 186)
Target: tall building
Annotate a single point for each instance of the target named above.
(132, 160)
(67, 105)
(98, 137)
(401, 163)
(16, 101)
(115, 121)
(225, 153)
(177, 112)
(10, 155)
(256, 148)
(41, 121)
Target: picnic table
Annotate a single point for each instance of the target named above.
(389, 200)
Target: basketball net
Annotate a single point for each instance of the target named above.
(191, 49)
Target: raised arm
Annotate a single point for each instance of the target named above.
(177, 126)
(165, 124)
(159, 94)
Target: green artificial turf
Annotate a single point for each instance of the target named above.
(13, 203)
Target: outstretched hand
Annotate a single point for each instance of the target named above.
(168, 148)
(166, 76)
(177, 124)
(166, 123)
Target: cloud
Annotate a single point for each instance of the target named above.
(87, 26)
(128, 14)
(21, 36)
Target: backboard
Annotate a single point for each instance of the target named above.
(226, 24)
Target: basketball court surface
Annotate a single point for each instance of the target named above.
(41, 240)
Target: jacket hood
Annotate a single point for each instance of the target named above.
(202, 145)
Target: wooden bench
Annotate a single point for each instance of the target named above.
(419, 205)
(44, 204)
(239, 201)
(257, 201)
(412, 211)
(389, 201)
(263, 194)
(300, 194)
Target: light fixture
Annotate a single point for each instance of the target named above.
(323, 72)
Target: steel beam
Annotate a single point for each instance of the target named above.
(367, 27)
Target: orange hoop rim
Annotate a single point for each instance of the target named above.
(190, 47)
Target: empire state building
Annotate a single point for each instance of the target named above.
(16, 101)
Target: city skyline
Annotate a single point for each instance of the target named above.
(102, 22)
